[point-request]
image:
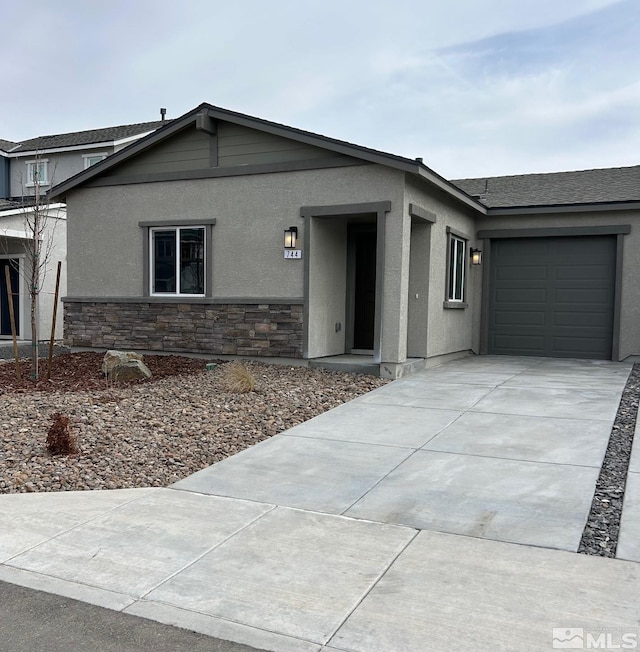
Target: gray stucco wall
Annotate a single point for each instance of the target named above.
(105, 242)
(630, 299)
(449, 330)
(327, 287)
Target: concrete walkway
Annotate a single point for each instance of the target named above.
(439, 512)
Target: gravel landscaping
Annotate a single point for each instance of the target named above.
(152, 433)
(600, 535)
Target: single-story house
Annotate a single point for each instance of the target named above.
(222, 233)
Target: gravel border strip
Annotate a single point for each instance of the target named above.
(600, 534)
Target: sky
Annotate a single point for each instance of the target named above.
(474, 87)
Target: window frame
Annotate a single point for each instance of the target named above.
(86, 157)
(453, 299)
(149, 227)
(44, 162)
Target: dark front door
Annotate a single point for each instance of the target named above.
(364, 304)
(552, 296)
(5, 321)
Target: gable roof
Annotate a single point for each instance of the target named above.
(610, 185)
(106, 135)
(415, 166)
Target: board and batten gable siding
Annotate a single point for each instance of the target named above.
(238, 145)
(231, 146)
(629, 330)
(189, 149)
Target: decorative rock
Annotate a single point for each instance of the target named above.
(124, 366)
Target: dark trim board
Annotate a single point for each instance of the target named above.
(552, 232)
(564, 208)
(206, 300)
(458, 234)
(345, 210)
(422, 214)
(179, 222)
(222, 172)
(617, 306)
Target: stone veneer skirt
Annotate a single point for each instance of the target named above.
(220, 328)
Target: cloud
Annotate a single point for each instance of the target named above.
(511, 86)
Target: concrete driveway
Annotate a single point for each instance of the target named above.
(499, 448)
(395, 522)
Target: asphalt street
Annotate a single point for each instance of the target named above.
(33, 621)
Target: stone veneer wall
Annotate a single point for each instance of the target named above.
(225, 329)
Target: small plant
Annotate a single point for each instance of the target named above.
(238, 378)
(60, 440)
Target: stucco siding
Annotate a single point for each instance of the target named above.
(251, 214)
(449, 330)
(327, 287)
(629, 342)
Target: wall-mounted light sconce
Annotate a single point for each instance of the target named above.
(476, 257)
(290, 237)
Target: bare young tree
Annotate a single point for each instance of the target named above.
(38, 245)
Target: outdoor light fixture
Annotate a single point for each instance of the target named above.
(476, 257)
(290, 237)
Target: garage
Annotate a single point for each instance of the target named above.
(552, 296)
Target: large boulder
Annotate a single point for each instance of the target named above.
(124, 366)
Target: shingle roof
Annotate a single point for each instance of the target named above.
(9, 204)
(557, 188)
(105, 135)
(6, 145)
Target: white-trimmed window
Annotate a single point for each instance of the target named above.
(38, 172)
(457, 269)
(177, 261)
(92, 159)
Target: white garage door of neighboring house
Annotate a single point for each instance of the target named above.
(552, 296)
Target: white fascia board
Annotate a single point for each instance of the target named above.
(11, 233)
(130, 139)
(60, 208)
(75, 148)
(56, 150)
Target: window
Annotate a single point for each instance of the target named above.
(457, 260)
(37, 173)
(177, 260)
(92, 159)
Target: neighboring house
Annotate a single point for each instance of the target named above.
(178, 243)
(40, 163)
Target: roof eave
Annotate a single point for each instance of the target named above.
(446, 186)
(586, 207)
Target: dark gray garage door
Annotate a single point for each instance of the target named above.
(552, 296)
